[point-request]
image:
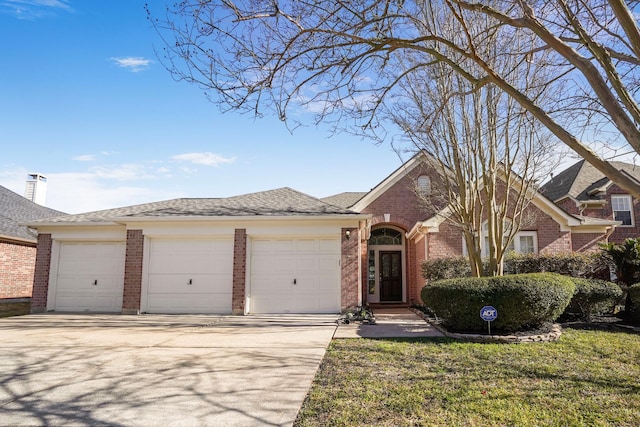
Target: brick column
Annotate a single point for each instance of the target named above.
(133, 272)
(239, 271)
(350, 263)
(41, 274)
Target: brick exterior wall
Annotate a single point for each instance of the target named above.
(350, 256)
(133, 272)
(41, 274)
(605, 212)
(401, 201)
(17, 264)
(622, 232)
(239, 271)
(587, 242)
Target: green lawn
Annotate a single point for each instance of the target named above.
(587, 378)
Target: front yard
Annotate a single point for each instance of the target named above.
(587, 378)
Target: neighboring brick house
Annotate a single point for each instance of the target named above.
(18, 243)
(584, 191)
(277, 251)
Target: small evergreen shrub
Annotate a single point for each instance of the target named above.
(632, 311)
(587, 265)
(592, 297)
(523, 301)
(445, 268)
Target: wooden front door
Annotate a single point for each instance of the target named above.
(390, 276)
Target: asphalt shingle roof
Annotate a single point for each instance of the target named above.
(344, 200)
(579, 179)
(279, 202)
(15, 209)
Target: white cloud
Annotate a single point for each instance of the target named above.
(86, 192)
(85, 158)
(126, 172)
(33, 9)
(133, 63)
(206, 159)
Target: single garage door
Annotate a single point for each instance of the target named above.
(90, 277)
(295, 275)
(190, 276)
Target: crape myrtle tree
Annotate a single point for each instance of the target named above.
(343, 59)
(487, 151)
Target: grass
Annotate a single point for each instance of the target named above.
(587, 378)
(14, 309)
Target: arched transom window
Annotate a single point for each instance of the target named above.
(385, 236)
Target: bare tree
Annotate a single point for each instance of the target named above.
(345, 59)
(488, 152)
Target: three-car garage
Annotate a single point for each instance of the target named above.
(195, 275)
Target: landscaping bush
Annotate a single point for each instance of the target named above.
(592, 297)
(632, 311)
(523, 301)
(445, 268)
(586, 265)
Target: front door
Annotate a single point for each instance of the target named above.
(390, 276)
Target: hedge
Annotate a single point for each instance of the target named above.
(523, 301)
(632, 312)
(587, 265)
(592, 297)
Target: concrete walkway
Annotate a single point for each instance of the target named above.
(390, 323)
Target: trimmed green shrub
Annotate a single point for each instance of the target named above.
(632, 311)
(445, 268)
(592, 297)
(587, 265)
(523, 301)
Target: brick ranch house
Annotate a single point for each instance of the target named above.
(277, 251)
(18, 243)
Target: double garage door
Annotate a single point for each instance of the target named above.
(300, 275)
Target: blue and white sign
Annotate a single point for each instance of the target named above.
(488, 313)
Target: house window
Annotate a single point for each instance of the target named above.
(424, 185)
(524, 242)
(621, 206)
(385, 236)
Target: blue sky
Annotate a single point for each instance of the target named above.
(85, 102)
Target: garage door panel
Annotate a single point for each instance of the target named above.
(90, 276)
(194, 303)
(179, 283)
(191, 256)
(190, 276)
(312, 262)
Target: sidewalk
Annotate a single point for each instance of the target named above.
(390, 323)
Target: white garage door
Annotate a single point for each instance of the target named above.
(90, 277)
(295, 275)
(190, 276)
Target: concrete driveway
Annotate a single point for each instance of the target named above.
(182, 370)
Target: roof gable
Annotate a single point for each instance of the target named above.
(15, 210)
(389, 181)
(582, 180)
